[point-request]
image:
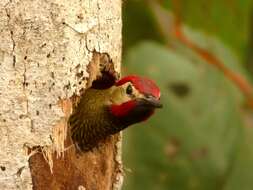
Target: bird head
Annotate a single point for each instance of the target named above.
(103, 112)
(134, 99)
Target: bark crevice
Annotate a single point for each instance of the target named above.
(8, 14)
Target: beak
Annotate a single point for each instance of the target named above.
(152, 101)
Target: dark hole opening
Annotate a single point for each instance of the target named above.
(105, 81)
(107, 75)
(3, 168)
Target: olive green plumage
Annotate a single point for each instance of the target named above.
(91, 120)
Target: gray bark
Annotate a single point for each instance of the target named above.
(45, 48)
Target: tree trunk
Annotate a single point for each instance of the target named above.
(49, 51)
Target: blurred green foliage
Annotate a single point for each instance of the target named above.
(199, 140)
(229, 20)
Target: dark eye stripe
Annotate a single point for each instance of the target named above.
(129, 89)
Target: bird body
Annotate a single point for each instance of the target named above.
(104, 112)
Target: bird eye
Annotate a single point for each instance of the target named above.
(129, 89)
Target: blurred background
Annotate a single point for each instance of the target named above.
(200, 54)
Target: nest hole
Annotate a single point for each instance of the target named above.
(101, 71)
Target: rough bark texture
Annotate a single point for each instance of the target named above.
(45, 49)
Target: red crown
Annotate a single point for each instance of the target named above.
(143, 85)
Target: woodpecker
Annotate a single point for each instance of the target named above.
(104, 112)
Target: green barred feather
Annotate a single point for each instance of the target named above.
(91, 121)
